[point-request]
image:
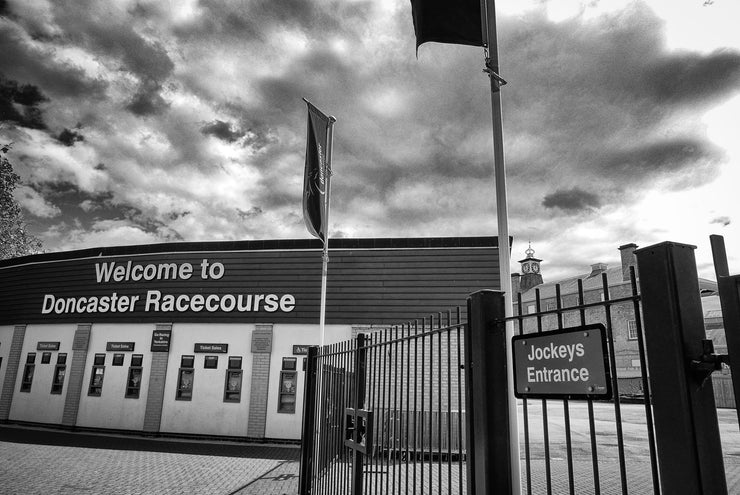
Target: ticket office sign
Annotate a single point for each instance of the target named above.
(572, 363)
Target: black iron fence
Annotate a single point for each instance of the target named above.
(569, 465)
(389, 412)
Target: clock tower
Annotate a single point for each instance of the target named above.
(530, 276)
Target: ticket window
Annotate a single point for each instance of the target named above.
(45, 357)
(210, 362)
(117, 359)
(96, 377)
(233, 384)
(28, 371)
(133, 382)
(60, 370)
(185, 376)
(288, 381)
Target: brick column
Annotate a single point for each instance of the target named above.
(14, 360)
(76, 372)
(261, 353)
(155, 395)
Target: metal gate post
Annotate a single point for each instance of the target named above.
(309, 422)
(487, 396)
(687, 433)
(359, 403)
(729, 296)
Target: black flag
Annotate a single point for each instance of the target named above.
(317, 173)
(447, 21)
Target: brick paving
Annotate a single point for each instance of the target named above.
(49, 461)
(46, 461)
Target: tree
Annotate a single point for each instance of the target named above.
(14, 237)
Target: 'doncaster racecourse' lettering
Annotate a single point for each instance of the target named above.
(155, 301)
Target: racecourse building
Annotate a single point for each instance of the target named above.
(207, 338)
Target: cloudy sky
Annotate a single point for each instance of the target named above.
(154, 121)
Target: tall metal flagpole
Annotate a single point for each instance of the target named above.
(502, 216)
(325, 254)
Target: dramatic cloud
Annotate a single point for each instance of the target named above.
(689, 77)
(222, 130)
(69, 137)
(19, 104)
(572, 200)
(156, 121)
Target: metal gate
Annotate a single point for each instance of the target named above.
(426, 407)
(579, 446)
(401, 394)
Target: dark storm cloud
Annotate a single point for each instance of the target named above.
(693, 77)
(151, 225)
(251, 213)
(222, 130)
(91, 25)
(573, 200)
(147, 101)
(69, 137)
(19, 104)
(602, 101)
(659, 158)
(256, 19)
(4, 9)
(23, 62)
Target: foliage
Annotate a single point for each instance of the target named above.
(14, 237)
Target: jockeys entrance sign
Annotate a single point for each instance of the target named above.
(568, 364)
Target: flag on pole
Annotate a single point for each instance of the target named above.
(317, 173)
(447, 21)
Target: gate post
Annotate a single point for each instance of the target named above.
(729, 297)
(687, 433)
(359, 403)
(487, 396)
(309, 423)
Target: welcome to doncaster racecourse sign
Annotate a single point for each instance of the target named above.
(154, 300)
(562, 364)
(188, 286)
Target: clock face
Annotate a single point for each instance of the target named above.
(526, 268)
(536, 268)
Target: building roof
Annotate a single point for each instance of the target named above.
(593, 281)
(261, 245)
(570, 285)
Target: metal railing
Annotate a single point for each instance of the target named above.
(559, 317)
(402, 426)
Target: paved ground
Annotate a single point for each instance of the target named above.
(48, 461)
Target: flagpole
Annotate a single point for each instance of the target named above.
(502, 217)
(325, 253)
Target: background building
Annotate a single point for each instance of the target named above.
(207, 338)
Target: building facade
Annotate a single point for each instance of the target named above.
(207, 338)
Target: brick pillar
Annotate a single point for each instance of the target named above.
(261, 353)
(161, 339)
(76, 372)
(14, 361)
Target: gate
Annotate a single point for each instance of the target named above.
(405, 394)
(580, 446)
(400, 392)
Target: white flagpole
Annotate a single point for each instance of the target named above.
(325, 254)
(502, 216)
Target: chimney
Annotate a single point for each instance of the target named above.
(628, 259)
(597, 269)
(515, 284)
